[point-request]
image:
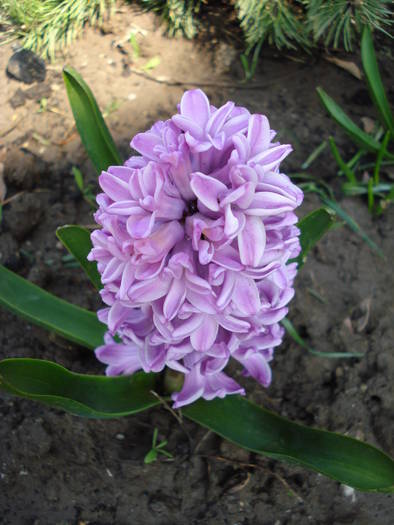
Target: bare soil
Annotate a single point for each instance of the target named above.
(57, 469)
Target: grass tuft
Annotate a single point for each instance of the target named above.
(45, 26)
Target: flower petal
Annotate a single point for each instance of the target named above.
(256, 365)
(246, 295)
(175, 298)
(221, 385)
(195, 106)
(258, 134)
(204, 336)
(147, 291)
(251, 241)
(207, 190)
(192, 389)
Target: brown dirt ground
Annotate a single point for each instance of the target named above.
(59, 469)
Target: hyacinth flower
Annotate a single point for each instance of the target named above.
(193, 248)
(195, 257)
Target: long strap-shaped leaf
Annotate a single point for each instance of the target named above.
(40, 307)
(236, 419)
(90, 124)
(374, 81)
(359, 136)
(342, 458)
(79, 394)
(313, 226)
(77, 241)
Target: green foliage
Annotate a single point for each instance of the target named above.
(98, 397)
(312, 227)
(290, 329)
(85, 189)
(342, 458)
(377, 143)
(284, 23)
(337, 22)
(90, 122)
(44, 309)
(46, 26)
(280, 22)
(250, 426)
(179, 15)
(157, 449)
(76, 240)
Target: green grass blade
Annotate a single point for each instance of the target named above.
(252, 427)
(80, 394)
(374, 80)
(44, 309)
(289, 327)
(314, 155)
(361, 188)
(353, 225)
(379, 158)
(341, 163)
(77, 241)
(361, 138)
(90, 123)
(313, 226)
(371, 198)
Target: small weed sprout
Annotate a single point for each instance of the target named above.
(157, 449)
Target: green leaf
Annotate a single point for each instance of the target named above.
(314, 155)
(44, 309)
(361, 138)
(78, 178)
(288, 325)
(361, 188)
(341, 163)
(238, 420)
(77, 241)
(252, 427)
(313, 226)
(151, 64)
(379, 158)
(352, 224)
(150, 457)
(80, 394)
(374, 81)
(90, 124)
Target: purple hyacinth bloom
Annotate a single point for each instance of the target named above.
(194, 240)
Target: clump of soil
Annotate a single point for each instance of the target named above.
(59, 469)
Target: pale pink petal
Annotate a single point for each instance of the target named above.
(174, 299)
(188, 326)
(190, 126)
(207, 190)
(204, 337)
(221, 385)
(127, 280)
(246, 295)
(114, 187)
(256, 365)
(147, 291)
(219, 117)
(195, 106)
(258, 134)
(251, 241)
(145, 144)
(227, 290)
(192, 389)
(140, 226)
